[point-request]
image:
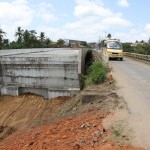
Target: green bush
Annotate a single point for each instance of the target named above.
(127, 47)
(96, 73)
(140, 49)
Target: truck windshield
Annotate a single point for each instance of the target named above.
(114, 45)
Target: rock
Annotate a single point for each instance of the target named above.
(64, 137)
(69, 129)
(82, 141)
(104, 130)
(82, 126)
(74, 109)
(31, 143)
(98, 133)
(95, 139)
(86, 125)
(1, 129)
(76, 147)
(94, 125)
(103, 141)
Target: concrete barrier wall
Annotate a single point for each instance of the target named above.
(138, 56)
(50, 72)
(105, 59)
(0, 77)
(82, 55)
(81, 68)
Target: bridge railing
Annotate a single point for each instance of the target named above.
(138, 56)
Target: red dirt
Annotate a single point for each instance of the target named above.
(85, 132)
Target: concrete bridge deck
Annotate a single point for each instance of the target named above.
(47, 72)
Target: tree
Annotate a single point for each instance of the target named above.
(84, 44)
(48, 42)
(26, 39)
(136, 41)
(42, 39)
(33, 39)
(2, 34)
(149, 41)
(19, 35)
(33, 34)
(60, 43)
(127, 47)
(109, 36)
(6, 43)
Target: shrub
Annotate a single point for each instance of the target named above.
(96, 73)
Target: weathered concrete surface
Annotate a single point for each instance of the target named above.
(47, 72)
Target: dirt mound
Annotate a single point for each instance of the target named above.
(21, 111)
(84, 132)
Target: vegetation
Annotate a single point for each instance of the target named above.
(139, 47)
(109, 36)
(95, 72)
(28, 39)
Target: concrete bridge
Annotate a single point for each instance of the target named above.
(49, 72)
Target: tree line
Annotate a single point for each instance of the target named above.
(141, 47)
(28, 39)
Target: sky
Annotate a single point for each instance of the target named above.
(85, 20)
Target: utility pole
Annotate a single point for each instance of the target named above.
(99, 43)
(105, 34)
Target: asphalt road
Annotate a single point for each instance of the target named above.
(133, 82)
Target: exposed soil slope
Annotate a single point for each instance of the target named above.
(63, 123)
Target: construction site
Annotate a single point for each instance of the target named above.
(42, 105)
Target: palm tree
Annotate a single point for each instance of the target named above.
(42, 38)
(2, 34)
(26, 38)
(19, 34)
(48, 42)
(33, 38)
(60, 43)
(6, 43)
(109, 36)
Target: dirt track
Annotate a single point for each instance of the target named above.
(133, 81)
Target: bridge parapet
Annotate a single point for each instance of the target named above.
(138, 56)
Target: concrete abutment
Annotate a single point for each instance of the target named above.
(48, 72)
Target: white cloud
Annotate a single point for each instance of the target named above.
(90, 8)
(116, 21)
(21, 13)
(46, 12)
(147, 27)
(133, 35)
(94, 18)
(16, 13)
(123, 3)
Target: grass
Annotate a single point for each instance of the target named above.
(120, 132)
(95, 72)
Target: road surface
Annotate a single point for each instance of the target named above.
(133, 82)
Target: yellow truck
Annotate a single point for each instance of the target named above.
(113, 48)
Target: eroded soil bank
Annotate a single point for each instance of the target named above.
(94, 119)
